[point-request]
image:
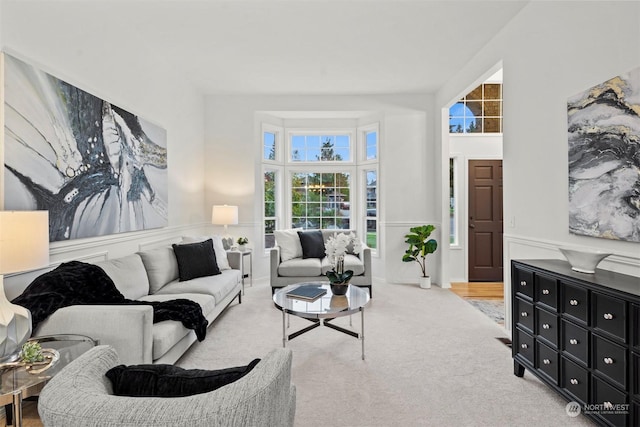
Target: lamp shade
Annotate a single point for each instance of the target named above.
(24, 240)
(224, 215)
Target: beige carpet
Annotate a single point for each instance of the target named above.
(431, 360)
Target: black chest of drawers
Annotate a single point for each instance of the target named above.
(580, 334)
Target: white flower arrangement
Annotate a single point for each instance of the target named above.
(336, 248)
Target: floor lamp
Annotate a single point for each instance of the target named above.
(24, 245)
(225, 215)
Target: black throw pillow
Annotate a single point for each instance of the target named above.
(196, 260)
(312, 244)
(171, 381)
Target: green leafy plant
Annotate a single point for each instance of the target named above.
(31, 352)
(242, 240)
(420, 245)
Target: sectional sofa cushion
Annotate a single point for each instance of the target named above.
(312, 244)
(289, 243)
(128, 274)
(300, 267)
(196, 260)
(161, 265)
(351, 262)
(171, 381)
(217, 286)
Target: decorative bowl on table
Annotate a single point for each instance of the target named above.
(583, 261)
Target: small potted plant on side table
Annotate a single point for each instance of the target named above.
(242, 243)
(419, 247)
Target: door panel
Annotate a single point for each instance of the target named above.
(485, 220)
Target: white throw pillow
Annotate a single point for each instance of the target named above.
(218, 248)
(289, 243)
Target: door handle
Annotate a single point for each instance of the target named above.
(472, 226)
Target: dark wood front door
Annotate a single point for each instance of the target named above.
(485, 220)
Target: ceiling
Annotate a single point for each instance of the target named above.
(282, 46)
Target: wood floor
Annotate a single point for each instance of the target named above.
(479, 290)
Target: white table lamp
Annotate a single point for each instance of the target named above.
(24, 245)
(225, 215)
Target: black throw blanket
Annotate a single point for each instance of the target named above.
(79, 283)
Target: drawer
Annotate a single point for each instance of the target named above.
(610, 315)
(575, 341)
(546, 290)
(547, 326)
(524, 313)
(547, 361)
(523, 346)
(610, 360)
(575, 302)
(523, 282)
(609, 403)
(575, 380)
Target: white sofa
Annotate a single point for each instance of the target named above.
(81, 396)
(150, 275)
(287, 268)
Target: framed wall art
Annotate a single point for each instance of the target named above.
(604, 159)
(97, 168)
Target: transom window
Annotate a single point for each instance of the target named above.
(320, 148)
(480, 111)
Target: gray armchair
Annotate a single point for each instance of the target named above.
(296, 270)
(80, 395)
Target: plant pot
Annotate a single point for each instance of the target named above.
(242, 248)
(339, 288)
(425, 282)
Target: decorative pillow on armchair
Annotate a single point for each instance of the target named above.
(171, 381)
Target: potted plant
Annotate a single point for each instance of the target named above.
(420, 245)
(242, 243)
(336, 248)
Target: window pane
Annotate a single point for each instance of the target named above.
(372, 233)
(320, 200)
(475, 94)
(492, 91)
(452, 203)
(492, 125)
(269, 238)
(269, 142)
(320, 148)
(371, 139)
(492, 108)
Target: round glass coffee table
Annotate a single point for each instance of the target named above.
(321, 310)
(21, 382)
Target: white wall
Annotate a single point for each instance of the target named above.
(551, 51)
(42, 35)
(406, 165)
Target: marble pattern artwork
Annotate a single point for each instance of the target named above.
(97, 169)
(604, 159)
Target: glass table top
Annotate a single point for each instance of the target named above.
(327, 306)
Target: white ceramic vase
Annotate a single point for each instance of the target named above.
(425, 282)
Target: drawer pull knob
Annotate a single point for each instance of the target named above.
(573, 341)
(523, 283)
(608, 316)
(573, 302)
(574, 381)
(545, 292)
(546, 362)
(524, 314)
(608, 361)
(545, 326)
(524, 346)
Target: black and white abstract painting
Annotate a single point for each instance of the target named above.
(604, 159)
(96, 168)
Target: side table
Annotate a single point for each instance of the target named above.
(17, 384)
(247, 253)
